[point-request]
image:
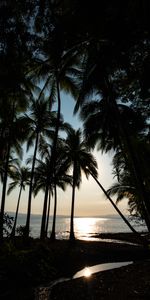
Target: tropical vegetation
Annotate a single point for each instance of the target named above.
(48, 47)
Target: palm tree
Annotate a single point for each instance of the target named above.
(58, 69)
(46, 180)
(14, 133)
(79, 157)
(14, 98)
(48, 213)
(46, 150)
(106, 193)
(20, 176)
(111, 124)
(15, 88)
(126, 183)
(42, 181)
(61, 179)
(39, 121)
(125, 188)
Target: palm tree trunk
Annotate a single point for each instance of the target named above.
(114, 205)
(48, 212)
(16, 215)
(6, 172)
(53, 149)
(59, 107)
(31, 188)
(4, 191)
(119, 212)
(42, 234)
(53, 233)
(72, 236)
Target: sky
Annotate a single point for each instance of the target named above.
(90, 200)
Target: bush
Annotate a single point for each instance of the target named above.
(7, 224)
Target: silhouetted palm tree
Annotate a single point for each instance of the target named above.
(61, 179)
(14, 134)
(44, 179)
(46, 150)
(39, 122)
(80, 159)
(125, 189)
(107, 121)
(48, 212)
(126, 185)
(20, 176)
(42, 182)
(58, 70)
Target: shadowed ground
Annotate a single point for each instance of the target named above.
(24, 268)
(130, 282)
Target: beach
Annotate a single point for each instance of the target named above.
(26, 270)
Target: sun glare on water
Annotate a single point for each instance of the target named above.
(84, 226)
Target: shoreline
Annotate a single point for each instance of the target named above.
(123, 236)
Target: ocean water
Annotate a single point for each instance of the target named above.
(85, 227)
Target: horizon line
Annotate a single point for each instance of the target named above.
(67, 216)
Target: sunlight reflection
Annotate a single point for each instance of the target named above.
(85, 226)
(87, 272)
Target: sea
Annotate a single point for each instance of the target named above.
(85, 228)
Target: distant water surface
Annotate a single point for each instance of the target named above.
(84, 227)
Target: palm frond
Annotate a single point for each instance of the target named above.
(12, 186)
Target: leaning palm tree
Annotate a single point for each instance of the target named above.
(20, 177)
(100, 79)
(102, 128)
(125, 187)
(80, 159)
